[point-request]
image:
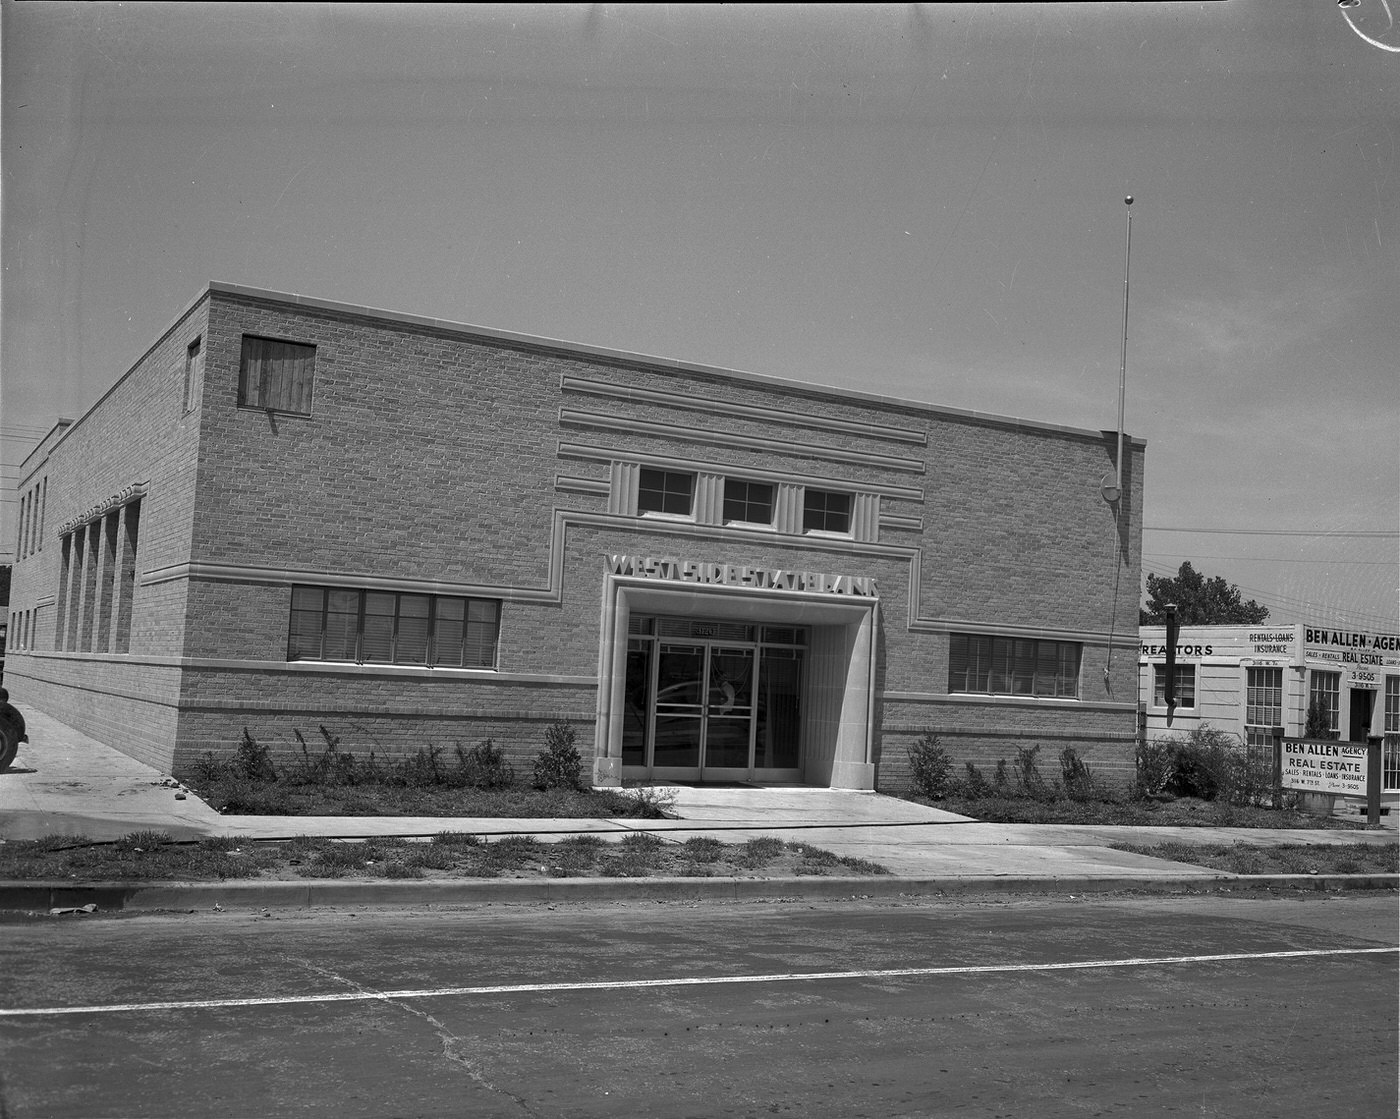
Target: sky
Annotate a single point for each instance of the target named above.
(924, 201)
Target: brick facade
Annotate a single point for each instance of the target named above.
(445, 460)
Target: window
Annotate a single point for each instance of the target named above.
(664, 491)
(276, 376)
(194, 371)
(389, 627)
(1013, 666)
(1390, 747)
(824, 511)
(748, 502)
(1326, 689)
(1263, 704)
(1185, 685)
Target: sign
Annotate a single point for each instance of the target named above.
(1324, 767)
(735, 575)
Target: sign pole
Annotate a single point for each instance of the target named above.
(1373, 780)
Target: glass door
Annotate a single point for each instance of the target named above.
(680, 709)
(728, 747)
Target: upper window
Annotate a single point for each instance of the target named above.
(748, 502)
(194, 371)
(665, 491)
(276, 376)
(387, 627)
(825, 511)
(1013, 666)
(1185, 685)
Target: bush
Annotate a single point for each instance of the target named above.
(975, 785)
(252, 761)
(558, 765)
(930, 767)
(1074, 773)
(1206, 763)
(1154, 769)
(1319, 724)
(1028, 777)
(484, 766)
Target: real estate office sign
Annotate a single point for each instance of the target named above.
(1324, 767)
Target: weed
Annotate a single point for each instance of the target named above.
(1074, 773)
(703, 848)
(456, 839)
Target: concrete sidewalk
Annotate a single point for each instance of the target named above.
(65, 783)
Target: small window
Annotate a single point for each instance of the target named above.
(748, 502)
(1185, 685)
(276, 376)
(664, 491)
(194, 371)
(824, 511)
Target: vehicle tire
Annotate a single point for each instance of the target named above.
(9, 746)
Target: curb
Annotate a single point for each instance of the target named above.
(44, 897)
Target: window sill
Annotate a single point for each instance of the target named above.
(273, 411)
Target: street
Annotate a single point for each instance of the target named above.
(918, 1007)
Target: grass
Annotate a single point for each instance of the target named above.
(154, 856)
(1288, 858)
(1181, 812)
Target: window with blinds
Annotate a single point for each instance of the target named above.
(1016, 666)
(391, 627)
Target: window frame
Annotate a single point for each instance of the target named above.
(194, 372)
(1185, 685)
(988, 660)
(665, 492)
(748, 503)
(352, 635)
(825, 512)
(283, 405)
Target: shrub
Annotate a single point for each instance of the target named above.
(1074, 773)
(558, 765)
(975, 785)
(1028, 777)
(1200, 762)
(252, 761)
(484, 766)
(1154, 769)
(1319, 724)
(930, 767)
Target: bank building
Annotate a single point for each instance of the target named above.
(291, 513)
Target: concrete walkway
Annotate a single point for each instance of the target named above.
(65, 783)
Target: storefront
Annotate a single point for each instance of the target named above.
(1247, 680)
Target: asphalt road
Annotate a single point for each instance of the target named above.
(992, 1007)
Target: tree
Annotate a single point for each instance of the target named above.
(1199, 601)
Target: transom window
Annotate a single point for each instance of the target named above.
(390, 627)
(1185, 685)
(748, 502)
(665, 491)
(826, 511)
(1013, 666)
(276, 376)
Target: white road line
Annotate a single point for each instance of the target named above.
(687, 981)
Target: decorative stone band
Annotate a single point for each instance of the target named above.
(102, 508)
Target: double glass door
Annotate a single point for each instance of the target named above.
(712, 710)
